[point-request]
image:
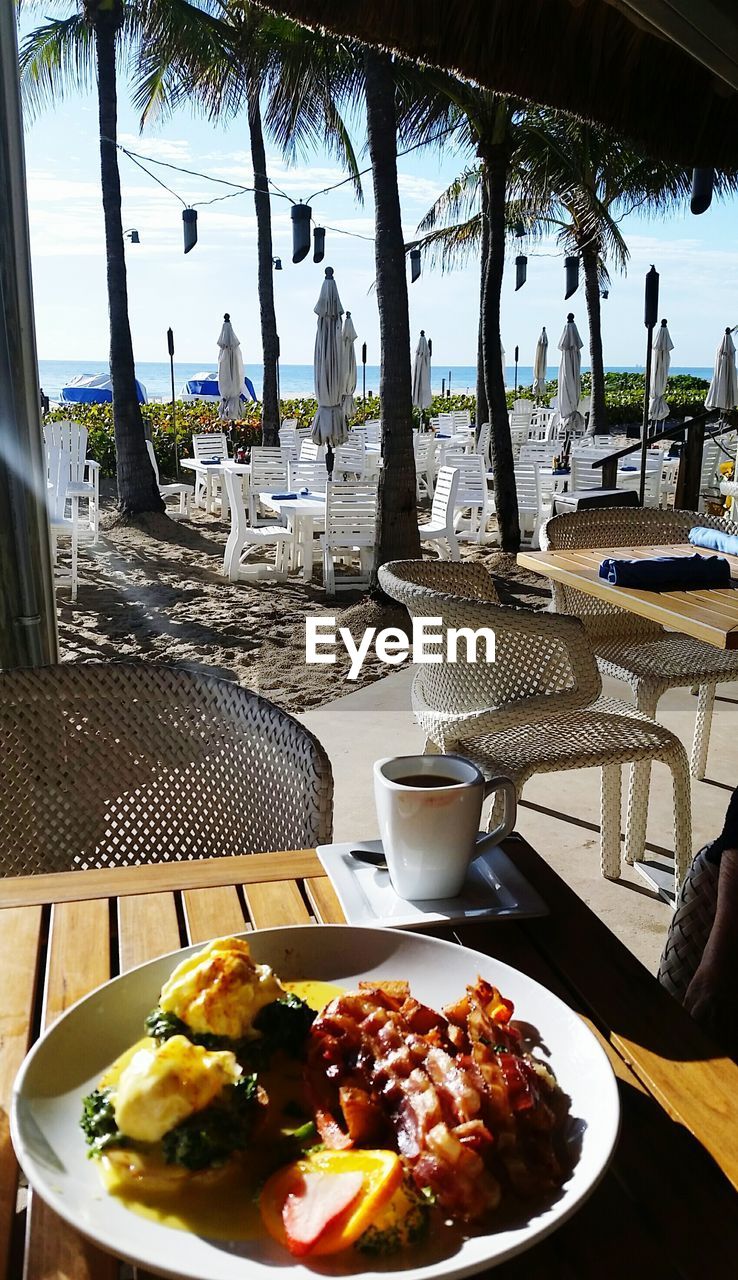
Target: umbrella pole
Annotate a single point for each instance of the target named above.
(170, 346)
(329, 460)
(646, 396)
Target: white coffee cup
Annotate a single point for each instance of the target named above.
(429, 829)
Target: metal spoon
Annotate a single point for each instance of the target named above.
(369, 855)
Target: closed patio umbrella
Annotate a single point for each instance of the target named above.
(230, 372)
(421, 374)
(663, 346)
(348, 338)
(329, 424)
(570, 369)
(723, 392)
(540, 361)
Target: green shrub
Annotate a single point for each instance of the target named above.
(623, 398)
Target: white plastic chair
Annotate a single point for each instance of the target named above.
(483, 443)
(288, 438)
(583, 474)
(243, 539)
(181, 491)
(84, 472)
(207, 445)
(58, 494)
(373, 430)
(350, 528)
(541, 451)
(440, 528)
(529, 512)
(349, 460)
(424, 447)
(472, 496)
(268, 475)
(631, 480)
(306, 475)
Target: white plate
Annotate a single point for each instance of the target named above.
(494, 889)
(66, 1063)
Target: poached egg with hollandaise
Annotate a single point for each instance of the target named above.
(164, 1084)
(220, 990)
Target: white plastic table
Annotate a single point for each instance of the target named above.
(208, 471)
(302, 515)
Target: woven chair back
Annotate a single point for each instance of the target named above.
(116, 765)
(543, 663)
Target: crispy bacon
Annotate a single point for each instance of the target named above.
(463, 1104)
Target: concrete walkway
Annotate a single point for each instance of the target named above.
(559, 815)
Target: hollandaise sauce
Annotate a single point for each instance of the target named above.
(220, 1203)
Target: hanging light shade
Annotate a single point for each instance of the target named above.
(521, 271)
(189, 223)
(703, 181)
(318, 244)
(301, 215)
(414, 265)
(571, 268)
(651, 309)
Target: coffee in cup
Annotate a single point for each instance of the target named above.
(429, 810)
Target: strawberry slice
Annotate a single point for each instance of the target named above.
(318, 1201)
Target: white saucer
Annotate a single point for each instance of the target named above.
(494, 889)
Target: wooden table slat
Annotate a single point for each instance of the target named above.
(213, 913)
(324, 900)
(155, 877)
(148, 927)
(20, 942)
(275, 904)
(78, 961)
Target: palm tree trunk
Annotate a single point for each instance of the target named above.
(598, 412)
(495, 162)
(397, 534)
(482, 406)
(137, 489)
(269, 336)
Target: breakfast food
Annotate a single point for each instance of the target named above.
(350, 1124)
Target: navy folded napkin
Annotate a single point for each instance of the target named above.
(560, 471)
(714, 540)
(211, 462)
(284, 497)
(630, 468)
(668, 573)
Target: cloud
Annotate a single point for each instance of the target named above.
(176, 150)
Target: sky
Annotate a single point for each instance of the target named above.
(697, 257)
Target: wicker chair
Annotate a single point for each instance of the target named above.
(650, 659)
(538, 707)
(116, 765)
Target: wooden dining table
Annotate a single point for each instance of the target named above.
(709, 615)
(666, 1208)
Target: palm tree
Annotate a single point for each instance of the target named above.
(577, 181)
(486, 123)
(226, 56)
(398, 536)
(582, 180)
(61, 54)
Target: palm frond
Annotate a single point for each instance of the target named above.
(55, 59)
(451, 247)
(461, 198)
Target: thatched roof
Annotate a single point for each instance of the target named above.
(604, 60)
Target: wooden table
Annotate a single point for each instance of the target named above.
(707, 615)
(668, 1206)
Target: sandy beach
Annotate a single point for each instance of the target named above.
(155, 591)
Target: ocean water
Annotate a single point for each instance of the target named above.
(295, 379)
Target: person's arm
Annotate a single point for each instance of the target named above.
(712, 995)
